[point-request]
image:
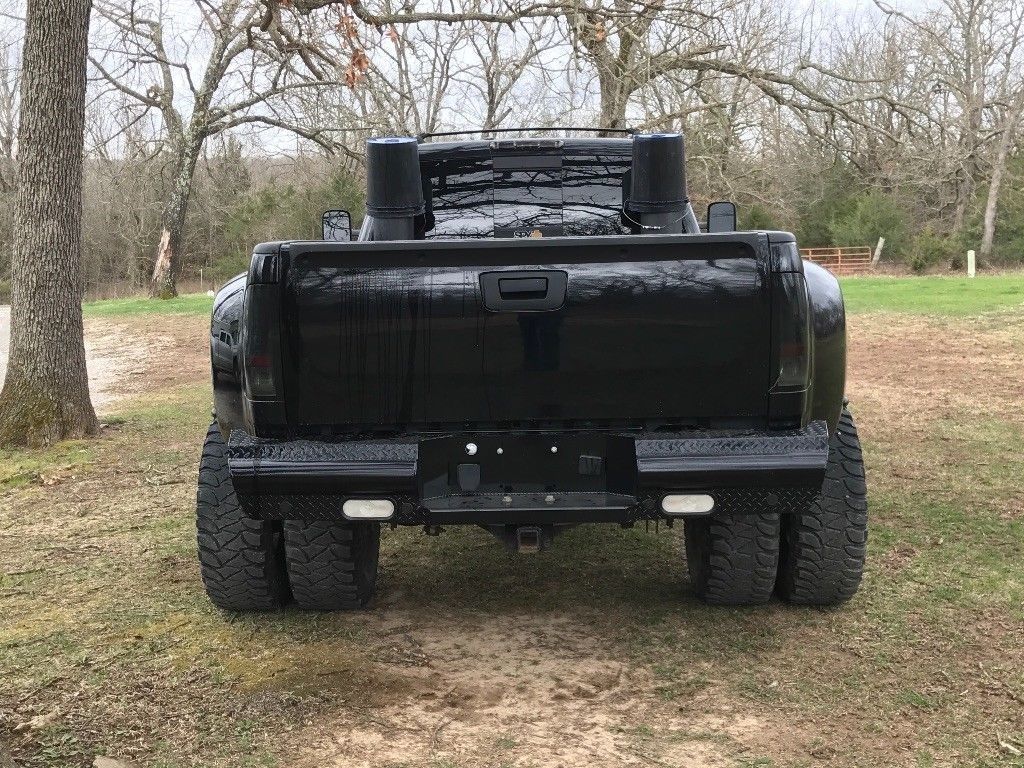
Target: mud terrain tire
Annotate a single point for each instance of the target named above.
(241, 559)
(823, 550)
(332, 566)
(732, 559)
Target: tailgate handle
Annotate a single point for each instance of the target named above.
(523, 287)
(524, 291)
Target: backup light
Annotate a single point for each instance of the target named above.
(368, 509)
(678, 505)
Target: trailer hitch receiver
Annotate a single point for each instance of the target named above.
(529, 539)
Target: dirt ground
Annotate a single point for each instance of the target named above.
(126, 358)
(160, 354)
(594, 653)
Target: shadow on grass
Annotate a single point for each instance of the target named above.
(614, 592)
(588, 568)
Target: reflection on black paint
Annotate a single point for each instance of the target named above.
(671, 338)
(225, 327)
(592, 193)
(542, 342)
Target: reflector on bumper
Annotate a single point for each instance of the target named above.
(368, 509)
(687, 504)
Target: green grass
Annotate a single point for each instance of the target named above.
(934, 295)
(28, 465)
(192, 304)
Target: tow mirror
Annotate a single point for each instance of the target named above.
(722, 217)
(337, 226)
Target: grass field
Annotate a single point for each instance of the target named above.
(934, 295)
(593, 653)
(191, 304)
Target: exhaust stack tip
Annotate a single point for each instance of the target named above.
(657, 185)
(393, 186)
(658, 180)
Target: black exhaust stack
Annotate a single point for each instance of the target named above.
(394, 191)
(658, 203)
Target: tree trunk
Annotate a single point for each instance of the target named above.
(614, 99)
(964, 194)
(167, 265)
(46, 394)
(994, 184)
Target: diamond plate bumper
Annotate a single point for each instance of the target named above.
(745, 472)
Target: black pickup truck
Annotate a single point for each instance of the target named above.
(528, 334)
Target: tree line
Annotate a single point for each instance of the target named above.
(842, 128)
(209, 125)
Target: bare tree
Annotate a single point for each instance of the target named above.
(420, 78)
(631, 45)
(255, 57)
(10, 72)
(875, 102)
(628, 44)
(968, 48)
(1012, 115)
(405, 80)
(46, 393)
(1007, 113)
(503, 57)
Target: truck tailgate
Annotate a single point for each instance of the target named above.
(529, 333)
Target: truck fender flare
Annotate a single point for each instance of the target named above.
(828, 324)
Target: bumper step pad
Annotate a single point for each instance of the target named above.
(745, 473)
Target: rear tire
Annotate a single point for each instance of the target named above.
(823, 550)
(241, 559)
(332, 566)
(732, 559)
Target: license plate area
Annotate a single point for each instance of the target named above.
(532, 470)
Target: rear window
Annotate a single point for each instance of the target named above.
(461, 198)
(592, 194)
(470, 199)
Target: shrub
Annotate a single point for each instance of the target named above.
(871, 216)
(824, 197)
(756, 217)
(930, 249)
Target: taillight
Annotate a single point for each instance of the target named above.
(789, 391)
(792, 330)
(261, 342)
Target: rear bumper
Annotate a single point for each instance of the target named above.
(744, 472)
